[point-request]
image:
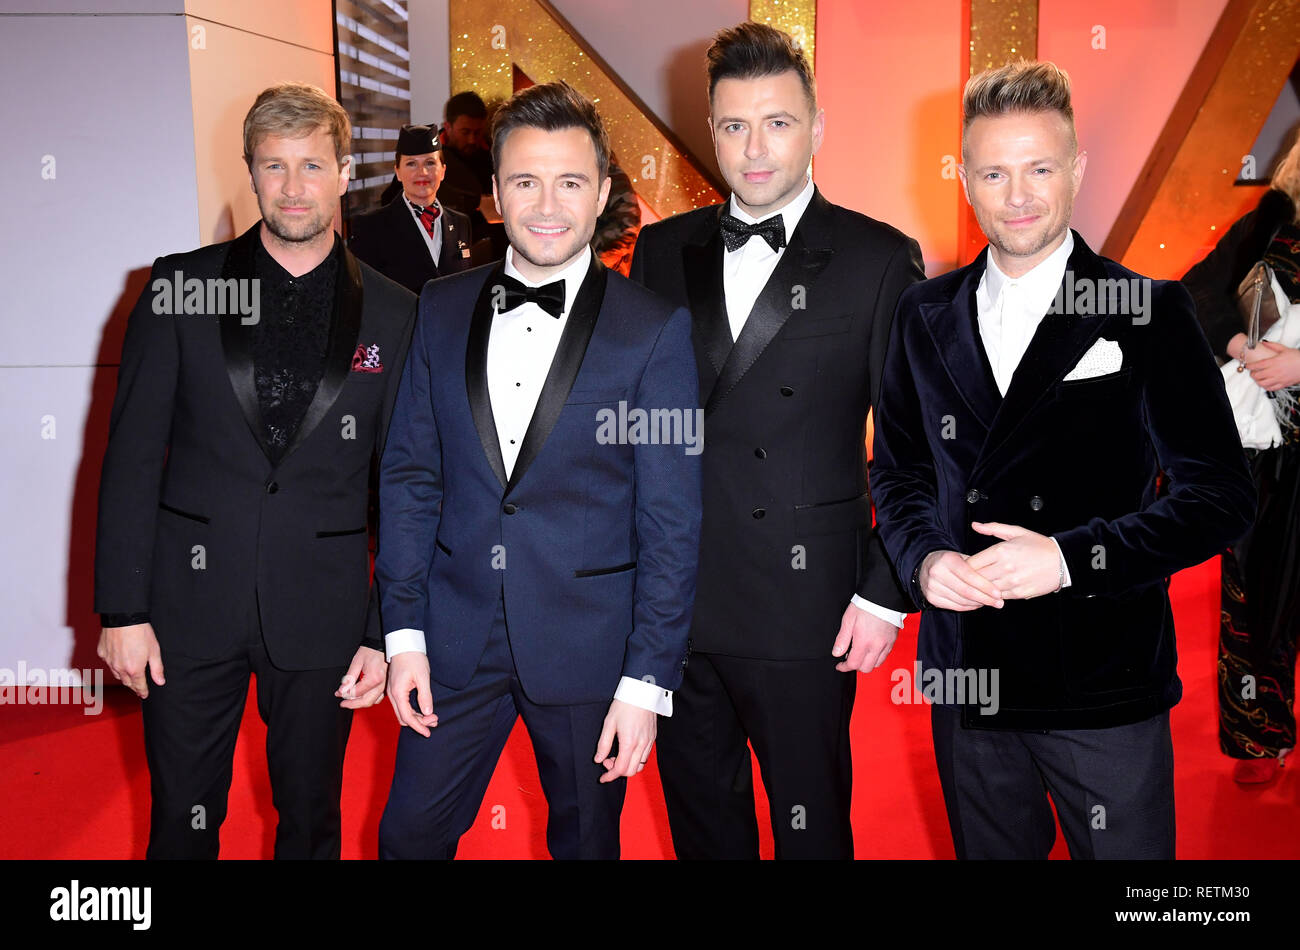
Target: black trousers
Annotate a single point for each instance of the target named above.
(1113, 789)
(796, 714)
(190, 727)
(439, 782)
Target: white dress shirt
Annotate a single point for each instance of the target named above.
(432, 241)
(521, 347)
(1010, 310)
(745, 272)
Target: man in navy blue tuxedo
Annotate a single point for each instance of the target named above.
(540, 508)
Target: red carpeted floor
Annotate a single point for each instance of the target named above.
(75, 786)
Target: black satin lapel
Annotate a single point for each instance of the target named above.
(800, 265)
(1057, 345)
(564, 367)
(476, 384)
(954, 327)
(345, 323)
(237, 338)
(702, 269)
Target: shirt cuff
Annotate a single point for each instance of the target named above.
(645, 694)
(405, 640)
(895, 617)
(1065, 568)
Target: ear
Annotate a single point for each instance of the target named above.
(818, 129)
(604, 195)
(965, 184)
(496, 198)
(345, 174)
(1076, 169)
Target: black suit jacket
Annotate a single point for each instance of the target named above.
(1077, 460)
(389, 240)
(787, 537)
(197, 527)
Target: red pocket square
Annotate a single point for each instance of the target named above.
(366, 359)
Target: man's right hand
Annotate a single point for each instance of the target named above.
(127, 651)
(949, 583)
(410, 671)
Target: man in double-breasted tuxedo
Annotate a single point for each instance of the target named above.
(791, 299)
(256, 383)
(415, 238)
(1030, 399)
(540, 507)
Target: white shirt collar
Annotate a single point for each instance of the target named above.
(573, 275)
(1042, 280)
(790, 214)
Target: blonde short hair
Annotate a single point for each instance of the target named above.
(296, 109)
(1022, 86)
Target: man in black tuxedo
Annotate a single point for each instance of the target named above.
(1030, 400)
(791, 299)
(537, 559)
(414, 238)
(256, 384)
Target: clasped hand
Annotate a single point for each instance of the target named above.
(1023, 564)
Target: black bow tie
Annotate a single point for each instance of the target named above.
(550, 297)
(736, 232)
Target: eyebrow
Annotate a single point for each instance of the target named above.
(578, 175)
(998, 166)
(771, 115)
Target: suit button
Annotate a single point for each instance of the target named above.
(759, 512)
(972, 496)
(272, 488)
(1036, 503)
(510, 508)
(760, 453)
(787, 391)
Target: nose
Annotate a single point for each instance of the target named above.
(293, 183)
(1019, 193)
(547, 200)
(755, 144)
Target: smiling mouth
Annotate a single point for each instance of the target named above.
(538, 230)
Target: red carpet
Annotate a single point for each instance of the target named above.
(77, 787)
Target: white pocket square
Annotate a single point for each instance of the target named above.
(1103, 358)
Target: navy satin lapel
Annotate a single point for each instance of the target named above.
(237, 338)
(803, 261)
(955, 330)
(345, 324)
(1057, 345)
(564, 367)
(702, 270)
(476, 385)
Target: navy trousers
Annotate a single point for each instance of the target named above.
(439, 782)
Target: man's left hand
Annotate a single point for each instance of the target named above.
(1025, 564)
(363, 684)
(635, 729)
(865, 637)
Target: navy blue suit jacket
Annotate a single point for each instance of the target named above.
(593, 545)
(1077, 460)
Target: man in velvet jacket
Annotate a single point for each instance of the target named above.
(1030, 400)
(233, 503)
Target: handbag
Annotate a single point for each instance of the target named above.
(1256, 303)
